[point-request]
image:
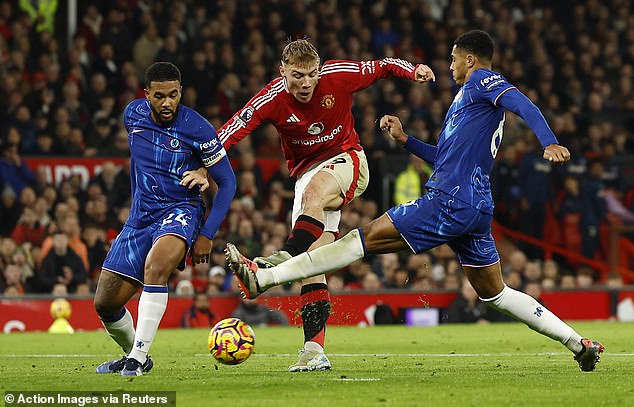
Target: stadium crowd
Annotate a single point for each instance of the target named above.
(574, 59)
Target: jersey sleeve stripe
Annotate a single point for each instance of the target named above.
(338, 70)
(495, 102)
(333, 68)
(270, 95)
(401, 63)
(229, 130)
(340, 64)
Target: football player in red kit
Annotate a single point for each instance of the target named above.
(311, 108)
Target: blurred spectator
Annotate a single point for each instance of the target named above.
(12, 281)
(29, 229)
(97, 246)
(249, 164)
(13, 170)
(614, 281)
(198, 315)
(410, 182)
(513, 279)
(467, 307)
(593, 208)
(22, 130)
(60, 266)
(335, 282)
(585, 277)
(256, 314)
(371, 282)
(532, 272)
(569, 207)
(41, 13)
(567, 281)
(516, 262)
(9, 211)
(535, 181)
(69, 225)
(216, 281)
(184, 288)
(146, 48)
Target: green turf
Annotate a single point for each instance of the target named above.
(452, 365)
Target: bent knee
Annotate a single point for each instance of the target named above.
(106, 309)
(158, 273)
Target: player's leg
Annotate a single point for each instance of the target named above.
(315, 311)
(171, 237)
(120, 278)
(314, 191)
(378, 236)
(164, 257)
(488, 282)
(321, 192)
(319, 195)
(411, 225)
(480, 260)
(112, 293)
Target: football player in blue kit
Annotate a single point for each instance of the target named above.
(458, 208)
(168, 142)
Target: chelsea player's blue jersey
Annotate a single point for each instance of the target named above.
(160, 154)
(469, 140)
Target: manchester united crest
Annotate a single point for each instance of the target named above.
(328, 101)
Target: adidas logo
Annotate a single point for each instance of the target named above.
(292, 119)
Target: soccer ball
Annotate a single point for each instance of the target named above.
(231, 341)
(60, 308)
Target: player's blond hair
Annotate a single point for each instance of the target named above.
(300, 53)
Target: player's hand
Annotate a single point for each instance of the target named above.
(201, 252)
(556, 153)
(424, 74)
(392, 125)
(192, 178)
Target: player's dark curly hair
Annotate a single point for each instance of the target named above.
(162, 72)
(476, 42)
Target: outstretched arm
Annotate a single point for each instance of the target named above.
(393, 126)
(518, 103)
(358, 75)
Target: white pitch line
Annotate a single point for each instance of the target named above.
(68, 355)
(351, 355)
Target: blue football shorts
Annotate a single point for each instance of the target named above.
(131, 247)
(437, 218)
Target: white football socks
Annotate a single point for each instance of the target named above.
(525, 308)
(322, 260)
(152, 305)
(121, 330)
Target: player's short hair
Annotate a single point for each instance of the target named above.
(300, 52)
(476, 42)
(162, 72)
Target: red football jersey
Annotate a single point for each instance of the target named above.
(324, 127)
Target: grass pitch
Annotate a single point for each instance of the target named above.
(451, 365)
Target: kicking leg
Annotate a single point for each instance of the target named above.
(488, 283)
(379, 236)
